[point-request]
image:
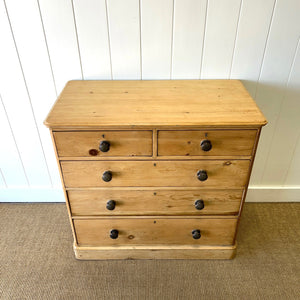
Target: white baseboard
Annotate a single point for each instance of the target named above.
(32, 195)
(273, 194)
(255, 194)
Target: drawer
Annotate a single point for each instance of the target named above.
(207, 143)
(220, 174)
(154, 202)
(154, 231)
(103, 143)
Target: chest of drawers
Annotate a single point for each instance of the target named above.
(155, 169)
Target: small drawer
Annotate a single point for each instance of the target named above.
(201, 173)
(154, 231)
(120, 202)
(103, 143)
(206, 143)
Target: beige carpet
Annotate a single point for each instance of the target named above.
(37, 261)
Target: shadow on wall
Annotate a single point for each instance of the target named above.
(278, 152)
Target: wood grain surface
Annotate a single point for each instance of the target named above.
(154, 202)
(154, 231)
(122, 143)
(188, 142)
(155, 252)
(154, 103)
(221, 174)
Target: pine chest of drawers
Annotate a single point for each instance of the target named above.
(155, 169)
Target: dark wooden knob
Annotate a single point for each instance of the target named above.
(206, 145)
(199, 204)
(202, 175)
(114, 233)
(104, 146)
(107, 176)
(111, 204)
(196, 234)
(93, 152)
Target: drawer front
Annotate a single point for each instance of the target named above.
(220, 174)
(154, 231)
(154, 202)
(87, 143)
(215, 142)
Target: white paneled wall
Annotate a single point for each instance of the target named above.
(156, 38)
(188, 38)
(124, 38)
(45, 43)
(93, 38)
(220, 34)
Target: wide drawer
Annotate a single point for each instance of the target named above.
(220, 174)
(155, 231)
(154, 202)
(207, 143)
(103, 143)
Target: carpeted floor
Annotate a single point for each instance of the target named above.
(37, 261)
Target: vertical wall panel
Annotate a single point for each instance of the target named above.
(156, 18)
(188, 34)
(91, 23)
(287, 130)
(251, 41)
(61, 37)
(276, 67)
(124, 33)
(37, 70)
(10, 163)
(2, 181)
(292, 177)
(221, 27)
(18, 107)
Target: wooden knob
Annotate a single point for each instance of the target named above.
(196, 234)
(114, 233)
(206, 145)
(202, 175)
(199, 204)
(111, 204)
(104, 146)
(107, 176)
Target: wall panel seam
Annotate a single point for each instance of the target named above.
(235, 39)
(13, 136)
(265, 48)
(278, 117)
(109, 42)
(77, 40)
(28, 94)
(172, 40)
(47, 47)
(203, 39)
(291, 160)
(280, 109)
(140, 23)
(29, 99)
(3, 178)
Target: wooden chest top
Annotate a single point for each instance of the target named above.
(142, 104)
